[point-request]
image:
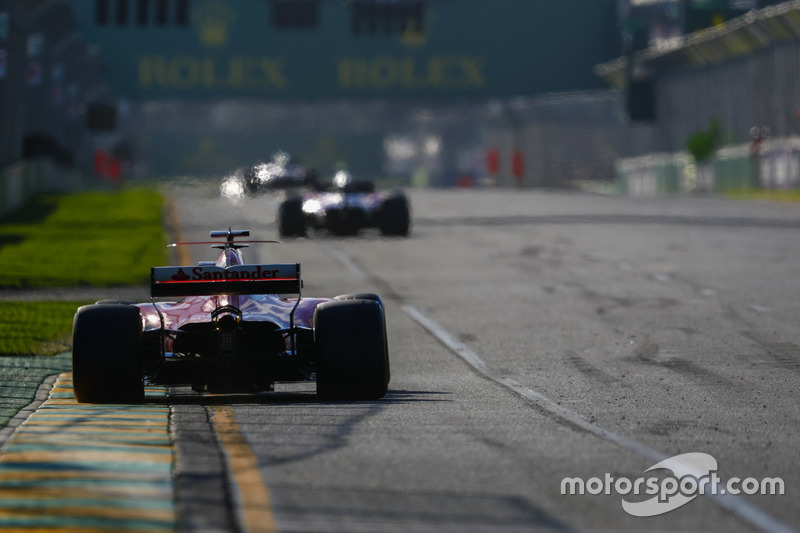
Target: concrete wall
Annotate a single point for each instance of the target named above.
(23, 180)
(731, 169)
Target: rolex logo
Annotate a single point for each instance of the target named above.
(416, 32)
(212, 19)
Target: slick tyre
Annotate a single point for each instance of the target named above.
(291, 220)
(360, 296)
(106, 345)
(376, 298)
(395, 216)
(353, 360)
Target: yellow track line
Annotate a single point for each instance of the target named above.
(256, 507)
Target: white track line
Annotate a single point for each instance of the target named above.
(343, 258)
(476, 362)
(729, 502)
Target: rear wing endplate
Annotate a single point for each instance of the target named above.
(283, 278)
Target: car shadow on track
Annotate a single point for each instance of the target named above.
(185, 396)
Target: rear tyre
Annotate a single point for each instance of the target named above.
(353, 360)
(291, 219)
(374, 297)
(360, 296)
(106, 345)
(395, 216)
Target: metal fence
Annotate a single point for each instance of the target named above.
(555, 139)
(754, 92)
(545, 141)
(562, 139)
(48, 74)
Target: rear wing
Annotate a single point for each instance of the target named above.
(283, 278)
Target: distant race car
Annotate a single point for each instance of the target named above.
(230, 327)
(345, 208)
(282, 172)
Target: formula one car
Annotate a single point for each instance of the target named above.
(282, 172)
(345, 208)
(230, 327)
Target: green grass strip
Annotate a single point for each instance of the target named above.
(77, 240)
(773, 195)
(90, 239)
(36, 328)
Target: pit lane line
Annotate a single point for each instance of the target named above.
(729, 502)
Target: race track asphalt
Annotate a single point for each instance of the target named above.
(534, 337)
